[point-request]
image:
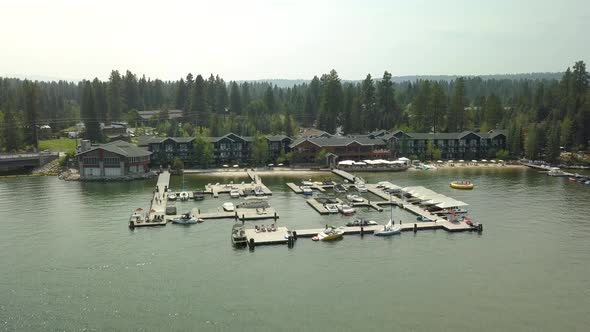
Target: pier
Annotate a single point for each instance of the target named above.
(347, 176)
(238, 214)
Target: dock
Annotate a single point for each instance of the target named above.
(158, 203)
(238, 214)
(318, 206)
(243, 188)
(547, 169)
(347, 176)
(297, 189)
(280, 236)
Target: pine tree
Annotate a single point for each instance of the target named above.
(388, 109)
(457, 117)
(235, 98)
(180, 101)
(331, 103)
(552, 150)
(221, 99)
(269, 99)
(10, 132)
(246, 99)
(438, 107)
(31, 111)
(115, 97)
(419, 111)
(89, 114)
(198, 105)
(370, 120)
(493, 111)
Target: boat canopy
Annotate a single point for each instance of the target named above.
(346, 162)
(429, 197)
(403, 159)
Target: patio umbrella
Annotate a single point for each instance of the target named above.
(226, 166)
(152, 211)
(473, 161)
(236, 166)
(139, 209)
(280, 165)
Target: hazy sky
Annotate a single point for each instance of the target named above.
(255, 39)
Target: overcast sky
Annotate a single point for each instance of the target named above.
(256, 39)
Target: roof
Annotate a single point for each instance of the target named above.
(172, 114)
(431, 136)
(121, 148)
(147, 140)
(339, 141)
(277, 138)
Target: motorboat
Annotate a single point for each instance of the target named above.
(466, 185)
(331, 208)
(307, 183)
(228, 206)
(355, 198)
(238, 235)
(328, 183)
(234, 193)
(258, 191)
(555, 171)
(183, 195)
(423, 218)
(361, 222)
(327, 199)
(198, 195)
(186, 219)
(172, 196)
(252, 202)
(389, 229)
(330, 234)
(361, 187)
(340, 188)
(136, 218)
(346, 209)
(306, 190)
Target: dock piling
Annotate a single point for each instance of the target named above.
(362, 231)
(415, 228)
(251, 244)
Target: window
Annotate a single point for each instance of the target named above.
(169, 147)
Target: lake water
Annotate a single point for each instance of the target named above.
(70, 263)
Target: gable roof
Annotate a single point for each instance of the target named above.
(339, 141)
(121, 148)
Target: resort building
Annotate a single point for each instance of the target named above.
(227, 149)
(356, 148)
(463, 145)
(117, 159)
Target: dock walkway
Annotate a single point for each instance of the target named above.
(347, 176)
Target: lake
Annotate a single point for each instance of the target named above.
(69, 262)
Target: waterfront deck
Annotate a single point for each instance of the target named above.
(238, 214)
(318, 206)
(266, 238)
(216, 189)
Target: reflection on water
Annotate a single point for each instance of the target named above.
(71, 263)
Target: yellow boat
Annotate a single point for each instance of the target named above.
(462, 185)
(329, 234)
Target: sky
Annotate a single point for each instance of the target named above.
(262, 39)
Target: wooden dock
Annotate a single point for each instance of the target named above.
(238, 214)
(280, 236)
(347, 176)
(216, 189)
(297, 189)
(407, 227)
(318, 206)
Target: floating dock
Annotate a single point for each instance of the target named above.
(238, 214)
(216, 189)
(280, 236)
(318, 206)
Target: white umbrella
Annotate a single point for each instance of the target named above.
(439, 161)
(450, 161)
(236, 166)
(280, 165)
(461, 161)
(473, 161)
(225, 166)
(271, 165)
(484, 161)
(500, 161)
(403, 159)
(493, 160)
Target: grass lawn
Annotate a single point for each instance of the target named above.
(59, 144)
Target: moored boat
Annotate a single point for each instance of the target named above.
(183, 196)
(238, 235)
(307, 190)
(198, 195)
(185, 219)
(234, 193)
(172, 196)
(462, 185)
(355, 198)
(389, 230)
(331, 208)
(252, 202)
(330, 234)
(340, 188)
(228, 206)
(346, 209)
(361, 222)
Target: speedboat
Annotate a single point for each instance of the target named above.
(340, 188)
(238, 235)
(234, 193)
(361, 188)
(555, 171)
(228, 206)
(306, 190)
(183, 196)
(171, 196)
(389, 229)
(330, 234)
(355, 198)
(307, 183)
(258, 191)
(462, 185)
(423, 218)
(346, 210)
(136, 218)
(361, 222)
(186, 219)
(252, 202)
(331, 208)
(198, 195)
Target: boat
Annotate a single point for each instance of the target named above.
(136, 218)
(361, 187)
(228, 206)
(555, 171)
(328, 183)
(355, 198)
(238, 235)
(361, 222)
(258, 191)
(340, 188)
(252, 202)
(183, 196)
(234, 193)
(307, 183)
(345, 209)
(331, 208)
(330, 234)
(306, 190)
(172, 196)
(462, 185)
(198, 195)
(571, 179)
(186, 219)
(389, 229)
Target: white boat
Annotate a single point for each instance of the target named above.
(238, 235)
(329, 234)
(331, 208)
(555, 171)
(389, 229)
(306, 190)
(355, 198)
(258, 191)
(361, 188)
(228, 206)
(186, 219)
(345, 209)
(183, 196)
(307, 183)
(234, 193)
(171, 196)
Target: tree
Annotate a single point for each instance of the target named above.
(181, 93)
(502, 154)
(202, 153)
(91, 122)
(312, 102)
(370, 119)
(531, 145)
(259, 150)
(221, 99)
(198, 105)
(388, 108)
(269, 99)
(432, 152)
(331, 102)
(457, 116)
(419, 109)
(438, 107)
(177, 164)
(493, 111)
(10, 130)
(320, 157)
(567, 128)
(115, 97)
(552, 150)
(31, 111)
(235, 99)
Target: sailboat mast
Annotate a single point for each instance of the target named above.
(391, 207)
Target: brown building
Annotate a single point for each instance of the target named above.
(117, 159)
(306, 149)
